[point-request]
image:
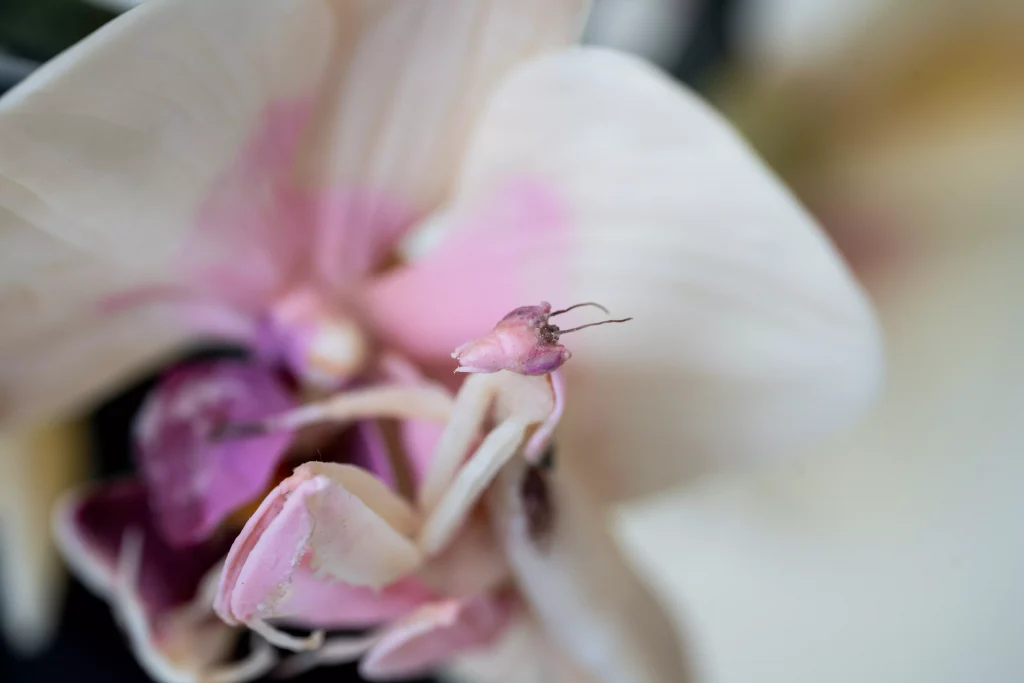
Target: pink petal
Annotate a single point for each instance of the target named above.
(436, 633)
(485, 269)
(257, 233)
(339, 526)
(195, 478)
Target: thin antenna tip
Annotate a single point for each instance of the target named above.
(580, 305)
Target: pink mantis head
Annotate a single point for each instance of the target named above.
(524, 342)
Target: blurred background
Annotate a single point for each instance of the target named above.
(894, 553)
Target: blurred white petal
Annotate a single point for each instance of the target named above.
(579, 585)
(777, 36)
(523, 654)
(896, 555)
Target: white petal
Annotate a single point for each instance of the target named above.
(112, 146)
(750, 337)
(523, 654)
(417, 77)
(189, 112)
(579, 585)
(107, 152)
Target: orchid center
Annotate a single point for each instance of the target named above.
(324, 346)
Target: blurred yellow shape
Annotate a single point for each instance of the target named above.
(36, 465)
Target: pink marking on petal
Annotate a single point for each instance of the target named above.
(484, 269)
(250, 236)
(143, 296)
(258, 233)
(194, 479)
(435, 633)
(356, 231)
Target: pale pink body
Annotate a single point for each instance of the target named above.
(515, 344)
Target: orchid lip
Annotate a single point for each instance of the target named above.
(194, 480)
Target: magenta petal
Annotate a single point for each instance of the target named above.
(92, 529)
(193, 478)
(161, 595)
